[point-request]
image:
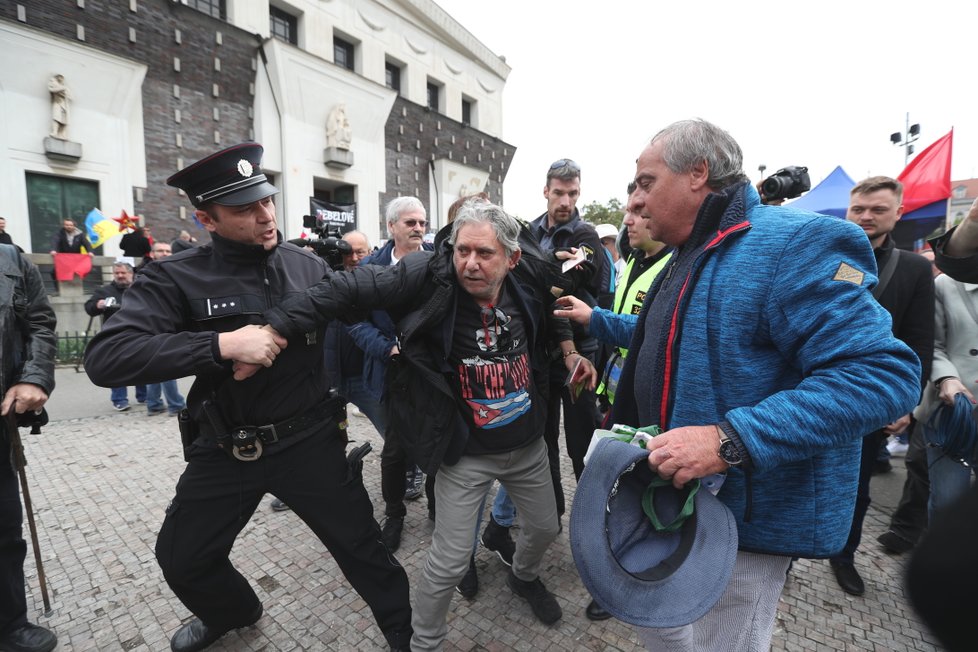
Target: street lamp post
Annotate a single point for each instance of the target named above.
(906, 139)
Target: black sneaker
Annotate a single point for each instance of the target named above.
(414, 484)
(279, 506)
(29, 638)
(390, 533)
(894, 544)
(496, 538)
(469, 585)
(541, 601)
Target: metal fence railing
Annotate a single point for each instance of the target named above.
(71, 347)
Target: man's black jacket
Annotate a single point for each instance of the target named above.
(420, 293)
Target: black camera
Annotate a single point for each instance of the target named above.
(786, 183)
(330, 246)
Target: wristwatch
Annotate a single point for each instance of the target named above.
(728, 450)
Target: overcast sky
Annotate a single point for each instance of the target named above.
(818, 84)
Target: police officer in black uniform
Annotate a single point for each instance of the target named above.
(198, 312)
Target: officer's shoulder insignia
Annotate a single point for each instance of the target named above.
(847, 272)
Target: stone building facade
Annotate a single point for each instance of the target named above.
(157, 84)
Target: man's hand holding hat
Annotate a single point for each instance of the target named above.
(684, 454)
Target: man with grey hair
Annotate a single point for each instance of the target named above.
(106, 301)
(401, 479)
(762, 355)
(407, 223)
(494, 327)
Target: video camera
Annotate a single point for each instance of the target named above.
(330, 246)
(786, 183)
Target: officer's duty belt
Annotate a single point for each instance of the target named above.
(246, 442)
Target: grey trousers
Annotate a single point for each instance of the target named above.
(743, 619)
(459, 492)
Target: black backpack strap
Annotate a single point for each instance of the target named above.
(886, 274)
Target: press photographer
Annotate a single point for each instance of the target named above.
(106, 301)
(330, 245)
(786, 183)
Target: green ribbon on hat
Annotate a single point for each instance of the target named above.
(649, 507)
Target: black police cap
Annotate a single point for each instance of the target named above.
(230, 177)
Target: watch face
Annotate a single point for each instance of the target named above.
(729, 454)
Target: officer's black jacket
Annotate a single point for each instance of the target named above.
(168, 328)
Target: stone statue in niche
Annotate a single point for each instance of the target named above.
(338, 132)
(60, 97)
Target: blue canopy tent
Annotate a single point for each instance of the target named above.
(830, 197)
(917, 225)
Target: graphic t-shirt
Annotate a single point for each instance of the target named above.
(489, 349)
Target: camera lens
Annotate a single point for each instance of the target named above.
(772, 186)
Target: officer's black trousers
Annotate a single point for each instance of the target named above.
(216, 497)
(13, 548)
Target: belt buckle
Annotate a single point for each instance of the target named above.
(245, 446)
(268, 434)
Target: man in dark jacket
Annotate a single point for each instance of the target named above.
(561, 227)
(466, 387)
(276, 432)
(105, 302)
(400, 478)
(27, 325)
(70, 240)
(906, 291)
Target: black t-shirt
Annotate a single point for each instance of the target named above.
(489, 349)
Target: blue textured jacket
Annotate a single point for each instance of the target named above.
(776, 333)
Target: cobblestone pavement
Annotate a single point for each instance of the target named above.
(100, 486)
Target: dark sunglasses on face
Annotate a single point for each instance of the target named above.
(413, 223)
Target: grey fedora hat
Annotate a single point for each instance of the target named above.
(664, 575)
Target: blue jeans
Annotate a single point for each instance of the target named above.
(948, 480)
(353, 390)
(168, 388)
(120, 395)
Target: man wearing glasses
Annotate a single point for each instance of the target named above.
(400, 478)
(561, 227)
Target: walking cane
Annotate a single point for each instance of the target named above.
(20, 461)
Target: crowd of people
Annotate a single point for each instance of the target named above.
(775, 351)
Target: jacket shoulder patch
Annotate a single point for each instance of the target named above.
(847, 272)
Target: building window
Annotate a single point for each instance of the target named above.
(393, 73)
(283, 25)
(434, 95)
(342, 53)
(467, 109)
(213, 8)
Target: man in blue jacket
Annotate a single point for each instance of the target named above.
(749, 356)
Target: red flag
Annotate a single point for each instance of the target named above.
(67, 265)
(928, 177)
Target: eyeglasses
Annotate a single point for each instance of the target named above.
(413, 223)
(565, 162)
